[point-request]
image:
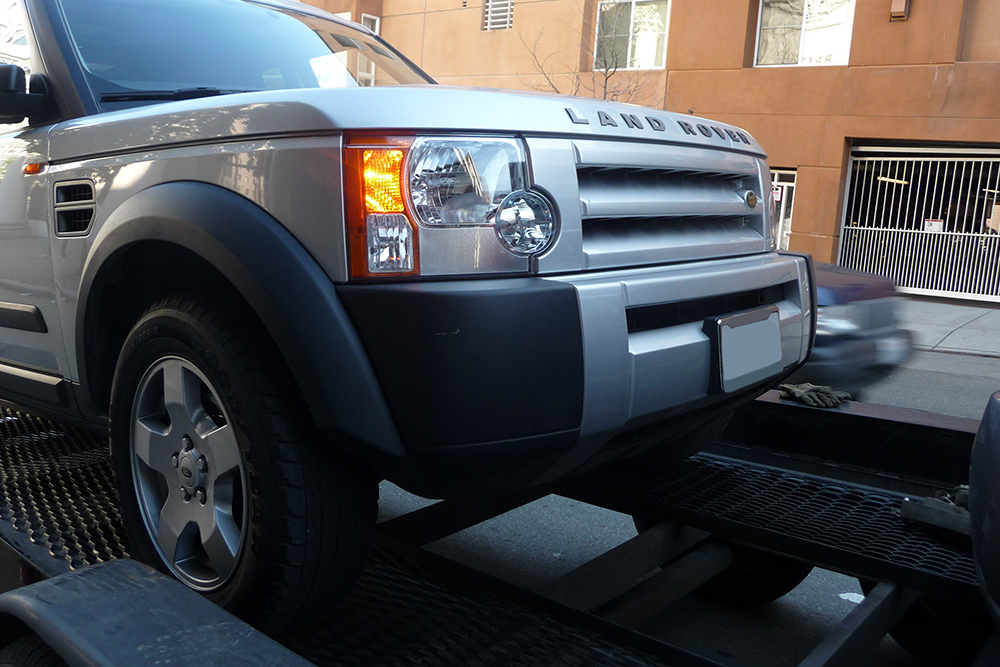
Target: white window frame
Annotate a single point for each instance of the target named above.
(367, 77)
(497, 15)
(802, 37)
(631, 20)
(375, 19)
(785, 210)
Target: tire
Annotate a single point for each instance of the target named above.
(937, 632)
(225, 482)
(29, 651)
(754, 578)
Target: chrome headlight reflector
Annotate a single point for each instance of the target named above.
(479, 181)
(390, 243)
(463, 181)
(525, 223)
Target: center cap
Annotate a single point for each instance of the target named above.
(187, 470)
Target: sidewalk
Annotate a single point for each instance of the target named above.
(950, 327)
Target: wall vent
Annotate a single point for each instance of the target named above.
(498, 14)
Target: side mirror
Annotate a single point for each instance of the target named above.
(16, 102)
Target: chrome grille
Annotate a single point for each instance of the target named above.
(647, 204)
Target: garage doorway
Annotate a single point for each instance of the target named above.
(927, 219)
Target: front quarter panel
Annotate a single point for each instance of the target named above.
(295, 180)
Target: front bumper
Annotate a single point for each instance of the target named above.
(498, 384)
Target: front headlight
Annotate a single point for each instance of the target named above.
(840, 320)
(479, 182)
(458, 205)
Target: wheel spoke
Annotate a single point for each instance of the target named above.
(153, 447)
(177, 395)
(222, 543)
(223, 452)
(174, 518)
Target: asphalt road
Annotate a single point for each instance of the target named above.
(553, 535)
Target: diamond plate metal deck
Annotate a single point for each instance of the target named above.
(842, 526)
(56, 488)
(403, 612)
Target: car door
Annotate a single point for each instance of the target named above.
(31, 348)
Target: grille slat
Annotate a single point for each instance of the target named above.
(74, 221)
(623, 194)
(73, 193)
(623, 242)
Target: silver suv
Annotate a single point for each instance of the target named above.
(276, 263)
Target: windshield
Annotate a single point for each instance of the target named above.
(226, 45)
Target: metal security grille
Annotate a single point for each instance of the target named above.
(929, 222)
(498, 14)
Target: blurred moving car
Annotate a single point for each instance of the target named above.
(858, 338)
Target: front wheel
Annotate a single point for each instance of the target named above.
(224, 481)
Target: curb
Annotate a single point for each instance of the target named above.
(967, 353)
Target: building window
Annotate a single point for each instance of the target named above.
(498, 14)
(631, 35)
(805, 32)
(366, 68)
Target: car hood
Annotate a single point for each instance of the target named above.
(837, 284)
(427, 108)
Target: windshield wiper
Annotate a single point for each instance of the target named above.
(166, 95)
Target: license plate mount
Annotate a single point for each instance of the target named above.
(746, 348)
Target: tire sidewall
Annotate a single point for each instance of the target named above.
(172, 333)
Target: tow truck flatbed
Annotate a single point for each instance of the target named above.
(59, 515)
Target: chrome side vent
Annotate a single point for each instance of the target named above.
(75, 207)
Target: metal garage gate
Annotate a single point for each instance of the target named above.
(928, 220)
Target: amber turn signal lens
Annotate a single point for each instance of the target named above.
(382, 238)
(383, 180)
(34, 168)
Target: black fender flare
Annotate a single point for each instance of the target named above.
(291, 294)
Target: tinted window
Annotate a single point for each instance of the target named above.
(227, 44)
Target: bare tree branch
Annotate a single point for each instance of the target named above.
(609, 77)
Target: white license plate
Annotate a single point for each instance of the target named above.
(749, 348)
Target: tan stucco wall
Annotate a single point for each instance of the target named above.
(981, 31)
(931, 35)
(932, 78)
(903, 84)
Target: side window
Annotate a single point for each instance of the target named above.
(804, 32)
